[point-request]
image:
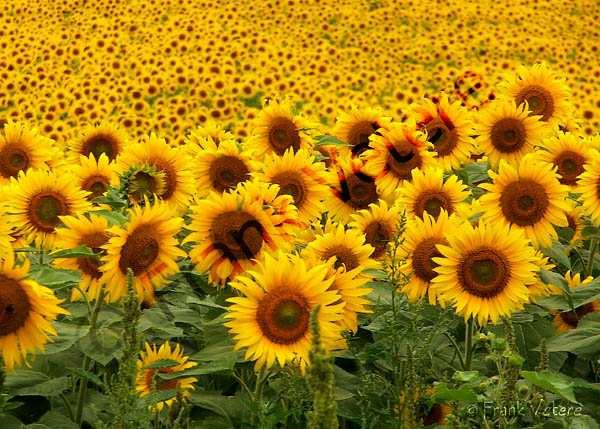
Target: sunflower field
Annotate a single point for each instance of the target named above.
(353, 214)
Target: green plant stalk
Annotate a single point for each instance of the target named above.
(86, 360)
(469, 328)
(590, 264)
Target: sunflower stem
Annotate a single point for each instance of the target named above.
(469, 328)
(86, 360)
(590, 264)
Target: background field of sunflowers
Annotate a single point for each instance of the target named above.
(299, 213)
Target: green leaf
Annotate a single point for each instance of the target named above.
(77, 252)
(253, 101)
(559, 253)
(68, 335)
(463, 394)
(54, 278)
(204, 369)
(86, 375)
(162, 363)
(583, 340)
(466, 376)
(101, 345)
(158, 396)
(43, 385)
(551, 381)
(327, 140)
(9, 422)
(54, 419)
(226, 406)
(589, 232)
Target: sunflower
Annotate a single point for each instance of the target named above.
(38, 199)
(484, 271)
(277, 130)
(6, 238)
(26, 312)
(232, 230)
(573, 231)
(171, 164)
(429, 193)
(103, 138)
(566, 320)
(507, 132)
(421, 236)
(356, 127)
(147, 245)
(395, 154)
(271, 320)
(210, 134)
(351, 189)
(545, 94)
(541, 288)
(149, 381)
(568, 153)
(351, 257)
(95, 176)
(22, 148)
(379, 224)
(588, 186)
(527, 196)
(220, 168)
(449, 128)
(79, 231)
(299, 176)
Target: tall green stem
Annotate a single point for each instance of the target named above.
(86, 360)
(590, 264)
(469, 328)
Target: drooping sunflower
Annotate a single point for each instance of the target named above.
(220, 168)
(271, 320)
(79, 231)
(26, 312)
(421, 236)
(427, 192)
(22, 148)
(149, 381)
(484, 271)
(232, 230)
(379, 224)
(566, 320)
(351, 257)
(588, 186)
(449, 128)
(301, 177)
(395, 154)
(351, 189)
(568, 153)
(147, 245)
(545, 93)
(38, 199)
(357, 126)
(277, 130)
(507, 132)
(171, 164)
(209, 134)
(95, 175)
(103, 138)
(573, 231)
(527, 196)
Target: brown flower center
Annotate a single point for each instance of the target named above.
(94, 241)
(432, 202)
(435, 415)
(99, 144)
(238, 235)
(570, 166)
(13, 159)
(226, 172)
(402, 159)
(14, 306)
(378, 234)
(157, 383)
(443, 137)
(97, 185)
(358, 190)
(291, 183)
(283, 135)
(358, 136)
(524, 202)
(140, 250)
(170, 176)
(283, 316)
(45, 209)
(484, 272)
(539, 99)
(573, 317)
(422, 258)
(343, 257)
(508, 135)
(144, 184)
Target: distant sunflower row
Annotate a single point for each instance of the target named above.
(461, 203)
